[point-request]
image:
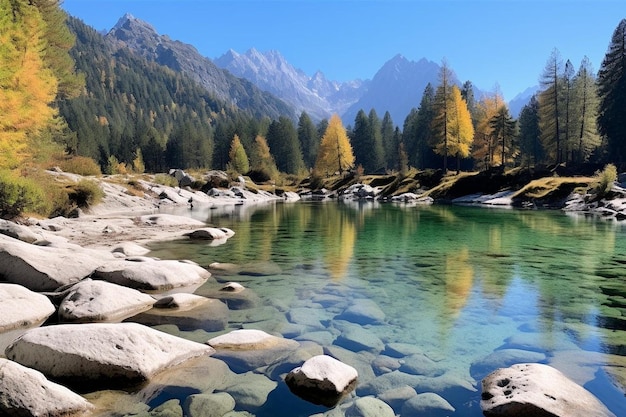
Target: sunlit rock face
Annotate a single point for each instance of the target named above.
(322, 380)
(102, 354)
(26, 392)
(535, 389)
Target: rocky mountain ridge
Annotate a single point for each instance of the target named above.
(267, 79)
(270, 71)
(143, 39)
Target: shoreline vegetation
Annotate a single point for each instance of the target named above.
(107, 210)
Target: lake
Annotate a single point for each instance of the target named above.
(462, 291)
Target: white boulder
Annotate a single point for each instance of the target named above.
(169, 220)
(130, 249)
(26, 392)
(152, 275)
(18, 231)
(535, 389)
(322, 379)
(21, 307)
(45, 268)
(102, 354)
(210, 233)
(90, 301)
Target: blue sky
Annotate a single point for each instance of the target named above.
(493, 43)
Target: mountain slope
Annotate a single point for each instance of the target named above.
(397, 87)
(519, 101)
(316, 95)
(143, 39)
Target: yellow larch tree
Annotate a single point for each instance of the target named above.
(27, 85)
(238, 157)
(335, 152)
(461, 129)
(485, 144)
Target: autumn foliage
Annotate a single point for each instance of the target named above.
(335, 152)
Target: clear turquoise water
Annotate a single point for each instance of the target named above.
(457, 283)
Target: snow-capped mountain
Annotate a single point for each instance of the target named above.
(271, 72)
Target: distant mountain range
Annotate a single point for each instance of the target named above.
(144, 40)
(266, 83)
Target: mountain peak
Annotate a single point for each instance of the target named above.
(128, 22)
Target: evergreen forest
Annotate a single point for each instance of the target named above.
(66, 92)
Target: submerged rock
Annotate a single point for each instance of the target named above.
(427, 404)
(322, 380)
(536, 389)
(187, 312)
(21, 307)
(26, 392)
(503, 358)
(363, 311)
(242, 299)
(208, 405)
(248, 349)
(101, 354)
(369, 407)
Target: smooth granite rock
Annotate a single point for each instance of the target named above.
(92, 301)
(152, 275)
(532, 389)
(22, 308)
(46, 268)
(322, 380)
(102, 354)
(25, 392)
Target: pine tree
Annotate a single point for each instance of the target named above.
(59, 40)
(335, 152)
(390, 143)
(585, 110)
(612, 92)
(529, 133)
(377, 150)
(308, 138)
(417, 131)
(567, 99)
(442, 116)
(361, 141)
(550, 112)
(238, 157)
(282, 138)
(504, 129)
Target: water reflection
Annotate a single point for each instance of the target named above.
(458, 282)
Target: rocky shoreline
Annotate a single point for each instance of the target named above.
(84, 277)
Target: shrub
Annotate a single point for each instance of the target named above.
(80, 165)
(18, 194)
(85, 193)
(605, 180)
(164, 179)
